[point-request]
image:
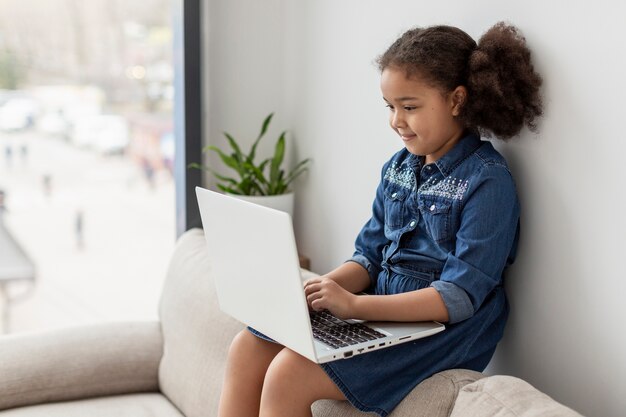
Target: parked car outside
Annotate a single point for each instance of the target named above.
(107, 134)
(18, 113)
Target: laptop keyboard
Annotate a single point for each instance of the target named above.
(338, 333)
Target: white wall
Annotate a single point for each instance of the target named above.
(247, 74)
(566, 333)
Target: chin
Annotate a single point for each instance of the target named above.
(414, 150)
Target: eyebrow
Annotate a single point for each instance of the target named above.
(403, 99)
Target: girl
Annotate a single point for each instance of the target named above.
(444, 226)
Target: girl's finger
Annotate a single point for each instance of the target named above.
(311, 281)
(318, 304)
(309, 289)
(313, 296)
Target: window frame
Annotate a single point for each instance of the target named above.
(187, 110)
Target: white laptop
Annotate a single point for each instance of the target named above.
(254, 264)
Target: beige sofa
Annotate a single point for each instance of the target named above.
(174, 367)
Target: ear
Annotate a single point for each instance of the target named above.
(458, 98)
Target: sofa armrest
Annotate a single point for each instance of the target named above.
(79, 362)
(506, 396)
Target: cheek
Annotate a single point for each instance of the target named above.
(419, 124)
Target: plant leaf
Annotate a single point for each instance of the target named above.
(257, 171)
(300, 165)
(244, 186)
(233, 144)
(229, 161)
(280, 187)
(259, 189)
(294, 175)
(215, 174)
(266, 124)
(297, 171)
(222, 178)
(250, 187)
(277, 160)
(195, 165)
(227, 189)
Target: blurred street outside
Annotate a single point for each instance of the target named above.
(86, 159)
(98, 229)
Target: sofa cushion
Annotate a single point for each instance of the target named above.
(134, 405)
(79, 362)
(434, 397)
(196, 333)
(506, 396)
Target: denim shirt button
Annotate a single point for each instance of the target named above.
(432, 208)
(394, 195)
(413, 223)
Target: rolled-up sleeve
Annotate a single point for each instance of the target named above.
(486, 242)
(371, 240)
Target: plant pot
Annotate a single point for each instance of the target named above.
(282, 202)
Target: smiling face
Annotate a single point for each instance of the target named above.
(422, 116)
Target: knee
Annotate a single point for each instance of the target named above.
(292, 384)
(248, 353)
(280, 370)
(245, 350)
(285, 376)
(242, 344)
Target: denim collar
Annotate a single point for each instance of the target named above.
(415, 162)
(465, 147)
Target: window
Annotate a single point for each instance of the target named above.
(88, 174)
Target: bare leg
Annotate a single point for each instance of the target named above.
(292, 384)
(248, 360)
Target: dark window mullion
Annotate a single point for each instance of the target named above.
(187, 110)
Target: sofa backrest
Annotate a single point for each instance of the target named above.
(196, 334)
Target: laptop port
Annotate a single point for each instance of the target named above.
(371, 347)
(347, 354)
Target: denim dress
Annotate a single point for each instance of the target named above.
(452, 225)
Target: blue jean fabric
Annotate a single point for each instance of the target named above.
(377, 381)
(455, 220)
(452, 225)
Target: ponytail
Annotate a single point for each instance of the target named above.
(502, 85)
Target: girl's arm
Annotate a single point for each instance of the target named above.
(419, 305)
(335, 292)
(351, 276)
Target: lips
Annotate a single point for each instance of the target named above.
(407, 136)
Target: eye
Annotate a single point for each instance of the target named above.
(389, 106)
(409, 108)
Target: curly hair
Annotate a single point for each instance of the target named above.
(502, 85)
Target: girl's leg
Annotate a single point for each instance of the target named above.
(292, 384)
(248, 360)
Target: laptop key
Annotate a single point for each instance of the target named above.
(336, 333)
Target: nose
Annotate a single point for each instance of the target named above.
(397, 120)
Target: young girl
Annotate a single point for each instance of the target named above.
(444, 226)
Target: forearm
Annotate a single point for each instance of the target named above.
(420, 305)
(351, 276)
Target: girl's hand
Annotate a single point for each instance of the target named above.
(323, 293)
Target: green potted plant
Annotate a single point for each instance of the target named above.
(265, 182)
